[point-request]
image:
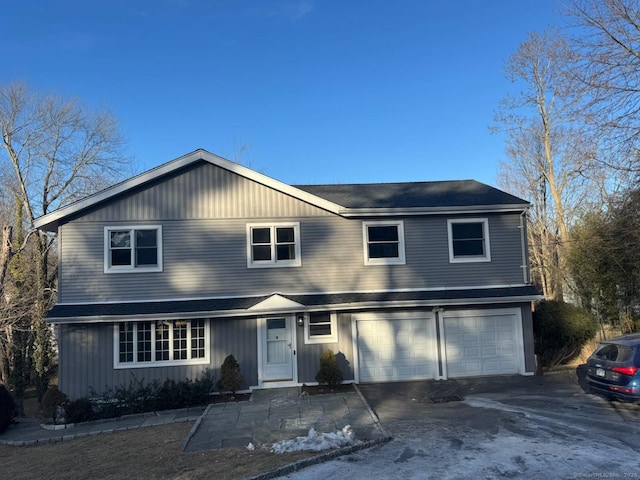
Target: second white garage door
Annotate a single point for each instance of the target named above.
(482, 343)
(396, 346)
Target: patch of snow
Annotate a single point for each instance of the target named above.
(251, 447)
(316, 442)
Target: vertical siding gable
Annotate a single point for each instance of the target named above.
(200, 191)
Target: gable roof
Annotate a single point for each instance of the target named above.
(408, 198)
(412, 195)
(50, 221)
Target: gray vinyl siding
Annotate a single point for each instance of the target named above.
(86, 357)
(204, 210)
(208, 258)
(309, 355)
(200, 191)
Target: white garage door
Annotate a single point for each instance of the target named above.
(395, 347)
(482, 343)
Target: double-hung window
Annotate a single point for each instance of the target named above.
(167, 342)
(321, 327)
(273, 245)
(383, 243)
(469, 240)
(133, 249)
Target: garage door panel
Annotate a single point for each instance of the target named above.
(490, 351)
(404, 348)
(491, 367)
(489, 336)
(469, 352)
(481, 344)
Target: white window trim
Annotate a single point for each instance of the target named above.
(333, 338)
(487, 244)
(108, 268)
(399, 260)
(274, 263)
(159, 363)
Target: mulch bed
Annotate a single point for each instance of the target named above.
(228, 397)
(324, 389)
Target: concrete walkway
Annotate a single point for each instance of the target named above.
(282, 414)
(269, 416)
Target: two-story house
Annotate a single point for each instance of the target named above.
(165, 274)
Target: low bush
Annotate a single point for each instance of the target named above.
(52, 403)
(7, 408)
(79, 410)
(138, 397)
(329, 373)
(230, 375)
(561, 330)
(186, 393)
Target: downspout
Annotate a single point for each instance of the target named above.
(523, 242)
(437, 313)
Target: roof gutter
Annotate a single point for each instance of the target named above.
(472, 209)
(343, 307)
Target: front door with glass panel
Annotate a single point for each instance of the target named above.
(278, 349)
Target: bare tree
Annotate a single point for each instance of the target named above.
(551, 157)
(55, 151)
(606, 42)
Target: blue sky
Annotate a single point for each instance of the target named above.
(305, 91)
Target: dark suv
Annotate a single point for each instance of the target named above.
(613, 370)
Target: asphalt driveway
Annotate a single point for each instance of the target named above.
(490, 428)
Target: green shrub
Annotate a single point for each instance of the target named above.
(52, 401)
(202, 387)
(561, 330)
(79, 410)
(230, 376)
(7, 408)
(329, 373)
(186, 393)
(138, 397)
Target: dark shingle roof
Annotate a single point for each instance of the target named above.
(352, 300)
(453, 193)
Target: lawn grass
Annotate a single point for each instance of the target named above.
(146, 453)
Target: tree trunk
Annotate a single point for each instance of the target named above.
(4, 361)
(42, 354)
(5, 253)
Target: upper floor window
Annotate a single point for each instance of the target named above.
(469, 240)
(147, 344)
(133, 249)
(383, 243)
(273, 245)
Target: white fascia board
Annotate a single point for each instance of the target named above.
(335, 307)
(390, 212)
(50, 221)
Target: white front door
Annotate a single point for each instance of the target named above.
(278, 349)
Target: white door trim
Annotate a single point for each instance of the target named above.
(262, 340)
